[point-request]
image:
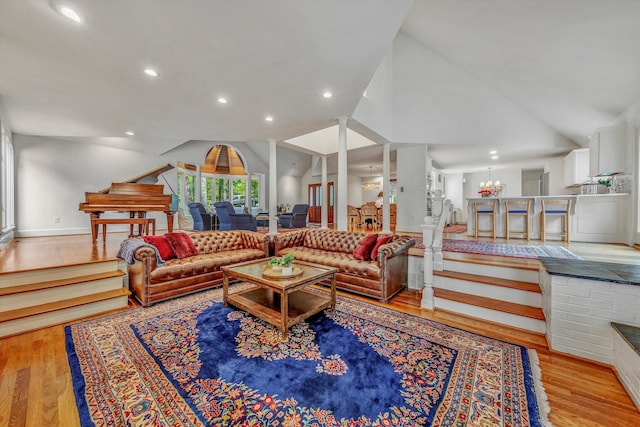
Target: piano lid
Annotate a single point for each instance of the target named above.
(149, 177)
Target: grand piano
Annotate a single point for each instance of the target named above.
(136, 196)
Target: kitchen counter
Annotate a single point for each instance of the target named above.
(625, 274)
(598, 218)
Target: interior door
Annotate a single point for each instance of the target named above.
(331, 202)
(315, 202)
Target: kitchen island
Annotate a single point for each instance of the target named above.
(600, 218)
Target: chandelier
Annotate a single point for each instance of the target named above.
(371, 184)
(490, 188)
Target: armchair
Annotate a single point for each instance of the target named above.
(230, 220)
(202, 220)
(296, 219)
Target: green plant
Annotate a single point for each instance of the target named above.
(284, 261)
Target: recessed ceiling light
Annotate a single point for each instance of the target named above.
(327, 94)
(269, 118)
(151, 72)
(364, 93)
(494, 157)
(69, 13)
(130, 133)
(222, 100)
(493, 152)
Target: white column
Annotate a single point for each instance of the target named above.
(273, 189)
(247, 190)
(386, 190)
(325, 195)
(341, 193)
(427, 239)
(197, 187)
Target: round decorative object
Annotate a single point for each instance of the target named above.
(278, 274)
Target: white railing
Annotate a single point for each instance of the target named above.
(432, 240)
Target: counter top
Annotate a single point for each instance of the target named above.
(557, 196)
(625, 274)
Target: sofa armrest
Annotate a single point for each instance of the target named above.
(288, 240)
(146, 255)
(396, 247)
(254, 240)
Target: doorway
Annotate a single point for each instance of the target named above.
(315, 202)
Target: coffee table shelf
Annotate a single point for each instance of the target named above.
(266, 305)
(281, 302)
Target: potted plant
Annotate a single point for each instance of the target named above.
(282, 263)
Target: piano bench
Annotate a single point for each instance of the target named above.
(146, 222)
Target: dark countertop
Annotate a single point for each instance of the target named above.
(625, 274)
(631, 334)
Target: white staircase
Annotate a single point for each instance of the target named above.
(43, 297)
(498, 289)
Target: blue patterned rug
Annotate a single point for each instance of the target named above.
(193, 362)
(506, 249)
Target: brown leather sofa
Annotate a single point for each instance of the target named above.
(151, 283)
(381, 279)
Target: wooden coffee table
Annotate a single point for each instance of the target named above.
(283, 302)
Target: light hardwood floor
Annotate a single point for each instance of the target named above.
(36, 388)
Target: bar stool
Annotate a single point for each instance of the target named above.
(518, 207)
(561, 207)
(487, 208)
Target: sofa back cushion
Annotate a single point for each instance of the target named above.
(218, 241)
(336, 241)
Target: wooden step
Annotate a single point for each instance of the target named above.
(60, 272)
(495, 281)
(59, 282)
(62, 304)
(490, 303)
(498, 261)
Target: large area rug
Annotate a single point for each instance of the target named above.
(506, 249)
(193, 362)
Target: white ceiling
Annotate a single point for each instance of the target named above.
(570, 66)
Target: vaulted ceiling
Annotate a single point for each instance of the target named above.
(531, 79)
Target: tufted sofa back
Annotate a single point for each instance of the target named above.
(218, 241)
(336, 241)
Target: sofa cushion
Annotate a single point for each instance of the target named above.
(199, 264)
(381, 241)
(161, 244)
(330, 240)
(181, 244)
(345, 263)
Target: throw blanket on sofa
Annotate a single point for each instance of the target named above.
(128, 249)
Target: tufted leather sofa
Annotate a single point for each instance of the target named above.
(381, 279)
(151, 283)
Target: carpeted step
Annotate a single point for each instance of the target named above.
(490, 303)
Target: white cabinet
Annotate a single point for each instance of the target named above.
(576, 167)
(608, 151)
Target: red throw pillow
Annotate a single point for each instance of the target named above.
(181, 244)
(381, 241)
(161, 244)
(364, 248)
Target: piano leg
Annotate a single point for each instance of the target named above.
(94, 226)
(170, 221)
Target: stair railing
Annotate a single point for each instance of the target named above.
(432, 240)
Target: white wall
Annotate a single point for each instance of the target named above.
(52, 176)
(531, 182)
(555, 167)
(411, 187)
(454, 189)
(376, 109)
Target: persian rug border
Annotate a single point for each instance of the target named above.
(179, 412)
